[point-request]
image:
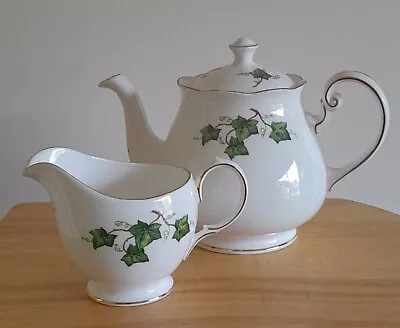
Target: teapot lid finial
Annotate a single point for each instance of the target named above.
(243, 75)
(243, 49)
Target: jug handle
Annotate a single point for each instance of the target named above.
(209, 229)
(333, 100)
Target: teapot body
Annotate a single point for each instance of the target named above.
(253, 116)
(268, 136)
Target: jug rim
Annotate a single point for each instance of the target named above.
(118, 162)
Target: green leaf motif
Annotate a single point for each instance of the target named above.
(133, 255)
(279, 132)
(145, 233)
(278, 126)
(235, 148)
(102, 238)
(244, 128)
(154, 231)
(259, 73)
(209, 133)
(182, 228)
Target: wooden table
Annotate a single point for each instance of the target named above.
(343, 271)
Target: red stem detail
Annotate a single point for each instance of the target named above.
(159, 215)
(258, 82)
(226, 137)
(115, 230)
(257, 113)
(124, 244)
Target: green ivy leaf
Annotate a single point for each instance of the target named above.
(259, 73)
(235, 148)
(238, 122)
(145, 233)
(244, 128)
(209, 133)
(182, 228)
(138, 228)
(102, 238)
(278, 126)
(252, 126)
(279, 132)
(154, 231)
(280, 135)
(134, 255)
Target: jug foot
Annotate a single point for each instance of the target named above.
(243, 245)
(129, 295)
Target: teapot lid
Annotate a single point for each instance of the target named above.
(243, 75)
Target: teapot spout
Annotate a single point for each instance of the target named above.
(143, 145)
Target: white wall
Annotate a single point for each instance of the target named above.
(53, 54)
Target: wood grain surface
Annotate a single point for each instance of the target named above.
(343, 271)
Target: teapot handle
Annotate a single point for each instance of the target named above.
(333, 100)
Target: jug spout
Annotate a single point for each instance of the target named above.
(47, 168)
(143, 145)
(66, 176)
(42, 168)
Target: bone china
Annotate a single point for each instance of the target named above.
(127, 225)
(254, 116)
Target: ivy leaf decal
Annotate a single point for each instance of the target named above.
(235, 148)
(154, 231)
(102, 238)
(244, 128)
(278, 126)
(182, 228)
(145, 233)
(259, 73)
(133, 255)
(209, 133)
(279, 132)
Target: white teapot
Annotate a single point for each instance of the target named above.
(255, 117)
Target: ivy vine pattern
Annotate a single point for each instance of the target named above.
(260, 75)
(234, 132)
(142, 233)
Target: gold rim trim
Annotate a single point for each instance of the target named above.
(109, 161)
(301, 83)
(248, 251)
(149, 301)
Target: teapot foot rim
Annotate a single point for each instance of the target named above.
(267, 244)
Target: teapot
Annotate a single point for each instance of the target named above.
(253, 116)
